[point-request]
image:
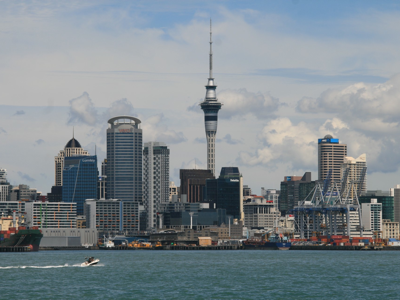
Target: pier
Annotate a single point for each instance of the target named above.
(15, 249)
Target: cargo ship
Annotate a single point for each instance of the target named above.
(13, 235)
(273, 243)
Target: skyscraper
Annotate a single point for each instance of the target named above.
(124, 159)
(211, 106)
(79, 180)
(331, 156)
(155, 179)
(4, 186)
(72, 148)
(355, 166)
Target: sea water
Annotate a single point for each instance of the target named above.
(201, 275)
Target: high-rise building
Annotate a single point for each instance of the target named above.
(72, 148)
(211, 106)
(293, 190)
(382, 197)
(227, 192)
(173, 192)
(331, 156)
(23, 192)
(124, 159)
(80, 177)
(372, 216)
(355, 167)
(155, 179)
(4, 186)
(396, 202)
(193, 183)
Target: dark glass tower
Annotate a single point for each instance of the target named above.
(211, 106)
(79, 180)
(124, 159)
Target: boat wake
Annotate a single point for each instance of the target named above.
(47, 267)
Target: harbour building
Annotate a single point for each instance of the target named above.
(124, 159)
(80, 177)
(260, 213)
(155, 179)
(226, 192)
(211, 106)
(331, 156)
(72, 148)
(51, 214)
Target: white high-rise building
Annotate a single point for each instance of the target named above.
(355, 166)
(4, 185)
(155, 179)
(72, 148)
(331, 155)
(372, 216)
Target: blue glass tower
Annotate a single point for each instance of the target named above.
(211, 106)
(79, 180)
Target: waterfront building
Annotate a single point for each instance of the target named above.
(72, 148)
(51, 214)
(395, 192)
(173, 192)
(79, 180)
(390, 230)
(80, 222)
(331, 156)
(355, 167)
(23, 192)
(372, 216)
(193, 182)
(155, 179)
(69, 237)
(260, 213)
(211, 106)
(7, 207)
(271, 195)
(112, 216)
(293, 190)
(124, 159)
(227, 192)
(4, 186)
(382, 197)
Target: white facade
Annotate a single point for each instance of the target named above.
(51, 214)
(155, 179)
(331, 155)
(390, 230)
(3, 176)
(372, 216)
(56, 237)
(355, 166)
(260, 213)
(4, 190)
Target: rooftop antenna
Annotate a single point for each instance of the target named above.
(95, 149)
(210, 76)
(73, 132)
(195, 166)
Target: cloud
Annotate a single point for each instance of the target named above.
(238, 103)
(229, 140)
(38, 142)
(19, 112)
(200, 140)
(82, 111)
(2, 131)
(26, 177)
(119, 108)
(155, 129)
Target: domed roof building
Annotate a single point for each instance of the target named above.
(72, 148)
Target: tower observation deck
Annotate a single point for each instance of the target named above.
(211, 106)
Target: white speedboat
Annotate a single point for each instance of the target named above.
(90, 262)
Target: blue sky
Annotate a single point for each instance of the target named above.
(288, 72)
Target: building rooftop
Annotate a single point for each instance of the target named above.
(73, 143)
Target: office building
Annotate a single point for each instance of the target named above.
(155, 179)
(227, 192)
(23, 192)
(112, 216)
(193, 183)
(51, 214)
(372, 216)
(390, 230)
(72, 148)
(7, 207)
(395, 192)
(246, 191)
(354, 167)
(124, 159)
(173, 192)
(331, 156)
(260, 213)
(382, 197)
(271, 195)
(80, 176)
(293, 190)
(55, 195)
(211, 106)
(4, 186)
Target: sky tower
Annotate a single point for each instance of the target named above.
(211, 106)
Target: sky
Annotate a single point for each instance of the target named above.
(288, 73)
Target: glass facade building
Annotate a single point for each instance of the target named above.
(79, 180)
(386, 201)
(124, 159)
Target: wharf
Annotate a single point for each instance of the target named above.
(170, 247)
(15, 249)
(68, 248)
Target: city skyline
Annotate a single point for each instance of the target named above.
(284, 84)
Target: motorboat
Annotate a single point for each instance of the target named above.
(90, 262)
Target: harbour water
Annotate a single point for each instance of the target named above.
(201, 275)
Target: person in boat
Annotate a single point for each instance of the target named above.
(90, 259)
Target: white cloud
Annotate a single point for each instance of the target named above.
(155, 129)
(82, 111)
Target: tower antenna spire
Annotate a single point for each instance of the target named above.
(73, 132)
(210, 76)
